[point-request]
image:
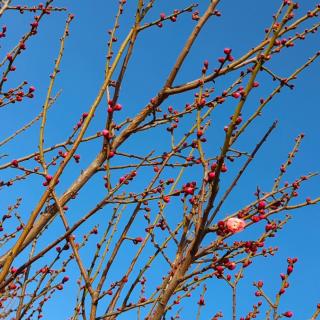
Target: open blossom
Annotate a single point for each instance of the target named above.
(235, 225)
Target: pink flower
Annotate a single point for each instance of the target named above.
(235, 225)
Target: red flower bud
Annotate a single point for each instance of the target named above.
(288, 314)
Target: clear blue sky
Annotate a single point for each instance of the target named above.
(241, 27)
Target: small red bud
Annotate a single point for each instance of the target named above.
(118, 107)
(211, 175)
(48, 177)
(14, 163)
(289, 270)
(224, 168)
(288, 314)
(238, 120)
(105, 133)
(137, 240)
(261, 205)
(199, 133)
(201, 301)
(60, 287)
(111, 154)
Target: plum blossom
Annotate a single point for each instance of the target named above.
(235, 225)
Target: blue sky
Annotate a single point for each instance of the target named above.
(82, 70)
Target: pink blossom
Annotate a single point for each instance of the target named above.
(235, 225)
